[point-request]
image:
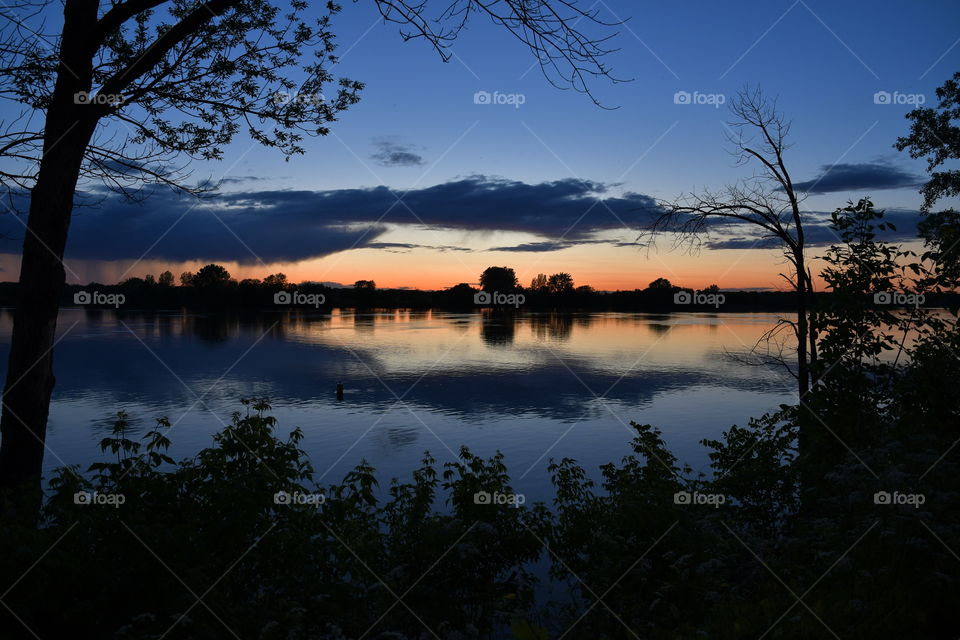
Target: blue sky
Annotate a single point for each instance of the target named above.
(824, 60)
(418, 126)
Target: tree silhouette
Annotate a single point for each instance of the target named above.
(560, 283)
(768, 201)
(212, 275)
(502, 279)
(539, 283)
(660, 284)
(166, 279)
(934, 135)
(275, 281)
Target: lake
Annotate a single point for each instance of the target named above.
(535, 386)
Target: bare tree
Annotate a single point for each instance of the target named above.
(766, 201)
(123, 90)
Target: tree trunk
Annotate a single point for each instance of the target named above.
(26, 396)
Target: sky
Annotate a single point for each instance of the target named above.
(443, 169)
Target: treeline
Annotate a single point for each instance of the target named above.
(212, 287)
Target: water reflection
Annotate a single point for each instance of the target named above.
(469, 365)
(408, 376)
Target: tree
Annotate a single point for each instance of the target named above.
(365, 285)
(660, 284)
(275, 281)
(183, 84)
(502, 279)
(186, 278)
(149, 280)
(934, 135)
(560, 283)
(166, 279)
(539, 282)
(212, 275)
(767, 200)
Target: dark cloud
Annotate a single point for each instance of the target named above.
(286, 225)
(395, 154)
(538, 247)
(817, 232)
(242, 179)
(405, 247)
(535, 247)
(858, 177)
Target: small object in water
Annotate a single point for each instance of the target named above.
(339, 391)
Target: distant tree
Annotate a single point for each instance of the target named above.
(166, 279)
(462, 288)
(660, 284)
(585, 288)
(212, 275)
(712, 289)
(935, 135)
(560, 283)
(187, 278)
(149, 280)
(250, 282)
(275, 281)
(539, 282)
(365, 285)
(502, 279)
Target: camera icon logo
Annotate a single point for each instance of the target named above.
(681, 497)
(882, 297)
(482, 297)
(682, 97)
(881, 497)
(882, 97)
(682, 297)
(81, 497)
(482, 97)
(481, 497)
(282, 297)
(281, 497)
(81, 297)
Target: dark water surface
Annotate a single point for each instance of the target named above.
(534, 386)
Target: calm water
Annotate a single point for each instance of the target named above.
(535, 386)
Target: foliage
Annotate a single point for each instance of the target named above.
(502, 279)
(935, 135)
